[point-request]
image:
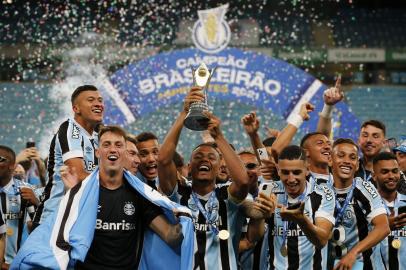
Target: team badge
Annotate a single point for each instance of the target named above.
(211, 33)
(129, 209)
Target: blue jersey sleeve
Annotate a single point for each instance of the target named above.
(327, 205)
(70, 140)
(374, 199)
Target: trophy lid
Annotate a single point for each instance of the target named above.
(202, 74)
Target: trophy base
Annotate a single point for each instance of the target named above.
(195, 119)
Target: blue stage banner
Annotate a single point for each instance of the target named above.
(241, 76)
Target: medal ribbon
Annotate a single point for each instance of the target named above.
(207, 215)
(340, 209)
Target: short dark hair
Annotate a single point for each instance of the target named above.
(178, 160)
(80, 89)
(345, 140)
(131, 138)
(146, 136)
(212, 145)
(269, 141)
(375, 123)
(384, 156)
(308, 136)
(113, 129)
(9, 151)
(292, 152)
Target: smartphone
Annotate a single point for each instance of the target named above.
(30, 144)
(266, 189)
(401, 210)
(294, 206)
(262, 153)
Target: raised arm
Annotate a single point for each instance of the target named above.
(287, 134)
(251, 126)
(240, 180)
(331, 97)
(166, 167)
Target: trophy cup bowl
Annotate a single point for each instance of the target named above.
(195, 119)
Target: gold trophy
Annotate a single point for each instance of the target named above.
(195, 119)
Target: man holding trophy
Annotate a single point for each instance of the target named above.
(215, 210)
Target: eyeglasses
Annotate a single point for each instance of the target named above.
(3, 159)
(251, 166)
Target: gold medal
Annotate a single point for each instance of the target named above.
(284, 251)
(224, 234)
(9, 231)
(396, 243)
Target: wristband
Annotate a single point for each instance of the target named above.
(295, 120)
(327, 111)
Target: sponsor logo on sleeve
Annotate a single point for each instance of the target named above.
(75, 132)
(371, 190)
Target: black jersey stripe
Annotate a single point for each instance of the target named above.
(3, 202)
(257, 254)
(315, 200)
(362, 223)
(200, 236)
(293, 248)
(47, 190)
(96, 160)
(63, 136)
(60, 240)
(225, 260)
(21, 221)
(271, 239)
(201, 239)
(392, 255)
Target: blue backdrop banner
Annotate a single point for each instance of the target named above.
(241, 76)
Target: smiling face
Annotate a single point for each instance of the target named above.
(293, 176)
(204, 164)
(148, 153)
(89, 107)
(345, 162)
(387, 175)
(318, 149)
(371, 140)
(111, 153)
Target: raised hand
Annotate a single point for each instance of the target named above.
(296, 215)
(268, 168)
(250, 123)
(305, 109)
(69, 177)
(266, 204)
(334, 94)
(28, 195)
(194, 95)
(213, 125)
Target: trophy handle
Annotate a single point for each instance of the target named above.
(206, 88)
(193, 75)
